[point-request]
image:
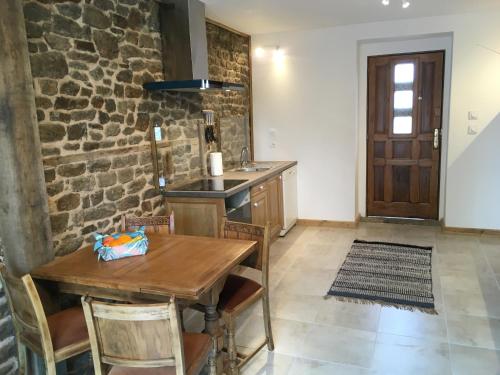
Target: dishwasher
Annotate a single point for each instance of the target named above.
(290, 204)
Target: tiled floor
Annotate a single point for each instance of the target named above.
(318, 336)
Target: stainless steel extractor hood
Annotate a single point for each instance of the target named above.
(184, 49)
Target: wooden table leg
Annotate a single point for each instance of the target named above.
(212, 327)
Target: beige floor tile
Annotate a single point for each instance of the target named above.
(302, 366)
(466, 360)
(338, 344)
(307, 281)
(288, 334)
(466, 265)
(457, 282)
(493, 258)
(474, 331)
(478, 303)
(349, 315)
(268, 363)
(297, 307)
(396, 355)
(412, 323)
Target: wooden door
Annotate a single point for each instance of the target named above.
(275, 201)
(405, 94)
(260, 205)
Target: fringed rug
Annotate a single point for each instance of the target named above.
(387, 273)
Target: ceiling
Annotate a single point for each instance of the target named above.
(267, 16)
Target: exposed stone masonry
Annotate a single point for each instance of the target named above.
(89, 60)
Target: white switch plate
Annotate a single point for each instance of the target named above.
(473, 116)
(471, 130)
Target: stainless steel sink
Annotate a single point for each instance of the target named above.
(252, 169)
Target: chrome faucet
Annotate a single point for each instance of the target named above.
(244, 157)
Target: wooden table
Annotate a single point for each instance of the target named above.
(193, 269)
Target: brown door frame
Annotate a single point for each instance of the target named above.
(441, 132)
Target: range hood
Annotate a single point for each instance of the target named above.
(184, 49)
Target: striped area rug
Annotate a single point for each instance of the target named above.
(387, 273)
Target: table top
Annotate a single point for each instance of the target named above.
(184, 266)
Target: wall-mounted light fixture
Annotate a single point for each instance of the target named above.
(278, 55)
(404, 3)
(276, 52)
(259, 52)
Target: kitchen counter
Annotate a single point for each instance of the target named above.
(253, 178)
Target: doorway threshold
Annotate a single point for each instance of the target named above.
(400, 220)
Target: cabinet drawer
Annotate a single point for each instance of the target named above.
(260, 188)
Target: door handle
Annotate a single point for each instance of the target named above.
(436, 139)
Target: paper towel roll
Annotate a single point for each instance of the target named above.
(216, 164)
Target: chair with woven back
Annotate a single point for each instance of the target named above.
(55, 337)
(153, 224)
(142, 339)
(240, 292)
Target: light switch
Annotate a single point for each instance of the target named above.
(473, 116)
(471, 130)
(272, 137)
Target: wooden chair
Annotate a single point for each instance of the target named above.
(239, 292)
(55, 337)
(143, 340)
(155, 224)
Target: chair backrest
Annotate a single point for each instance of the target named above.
(28, 315)
(134, 335)
(242, 231)
(153, 224)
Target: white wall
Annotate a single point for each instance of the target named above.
(311, 100)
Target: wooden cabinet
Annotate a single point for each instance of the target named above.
(197, 216)
(203, 216)
(267, 204)
(260, 208)
(275, 204)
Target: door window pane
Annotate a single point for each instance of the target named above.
(402, 125)
(404, 73)
(403, 99)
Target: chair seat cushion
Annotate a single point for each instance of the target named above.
(237, 290)
(196, 349)
(67, 327)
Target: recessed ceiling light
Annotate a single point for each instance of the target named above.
(386, 2)
(405, 4)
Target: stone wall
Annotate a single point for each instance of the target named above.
(89, 60)
(8, 349)
(229, 61)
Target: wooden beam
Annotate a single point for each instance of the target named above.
(24, 214)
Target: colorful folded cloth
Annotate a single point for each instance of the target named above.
(121, 245)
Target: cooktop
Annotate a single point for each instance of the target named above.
(207, 184)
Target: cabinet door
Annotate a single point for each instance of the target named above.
(275, 204)
(260, 214)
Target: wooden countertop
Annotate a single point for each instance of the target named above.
(253, 178)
